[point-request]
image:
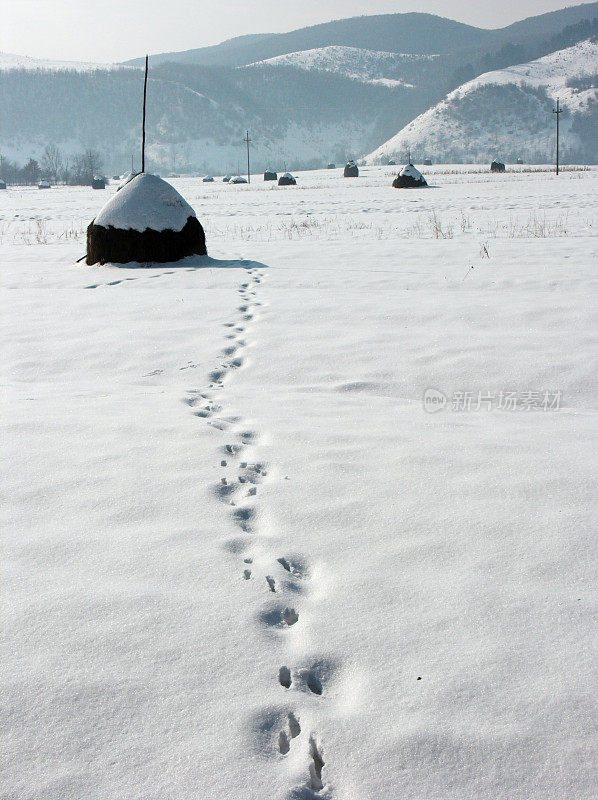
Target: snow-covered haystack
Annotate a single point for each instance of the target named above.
(226, 179)
(409, 178)
(238, 179)
(98, 182)
(147, 220)
(351, 170)
(208, 179)
(270, 175)
(497, 166)
(331, 166)
(44, 185)
(287, 180)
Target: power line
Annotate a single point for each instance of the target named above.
(558, 111)
(247, 140)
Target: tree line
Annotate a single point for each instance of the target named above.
(78, 170)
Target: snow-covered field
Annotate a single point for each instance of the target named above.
(242, 558)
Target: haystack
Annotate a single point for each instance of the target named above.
(427, 162)
(2, 184)
(497, 166)
(287, 180)
(44, 185)
(146, 221)
(238, 179)
(208, 179)
(351, 170)
(270, 175)
(520, 161)
(98, 182)
(226, 178)
(409, 178)
(331, 166)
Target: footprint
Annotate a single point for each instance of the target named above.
(271, 584)
(317, 764)
(296, 566)
(290, 616)
(284, 738)
(284, 743)
(313, 682)
(284, 677)
(216, 375)
(247, 574)
(244, 517)
(279, 617)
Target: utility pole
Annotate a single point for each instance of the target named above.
(143, 124)
(558, 111)
(247, 140)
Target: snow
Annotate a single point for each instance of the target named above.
(13, 61)
(441, 566)
(479, 122)
(412, 172)
(145, 201)
(358, 63)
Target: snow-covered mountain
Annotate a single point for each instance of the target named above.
(358, 63)
(508, 113)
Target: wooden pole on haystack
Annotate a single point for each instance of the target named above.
(558, 111)
(143, 124)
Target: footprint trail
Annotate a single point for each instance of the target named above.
(283, 578)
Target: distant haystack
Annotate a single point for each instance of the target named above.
(520, 161)
(2, 184)
(208, 179)
(409, 178)
(238, 179)
(226, 178)
(497, 166)
(351, 170)
(427, 162)
(331, 166)
(270, 175)
(392, 163)
(44, 185)
(98, 182)
(287, 180)
(146, 221)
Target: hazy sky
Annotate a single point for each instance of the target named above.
(114, 30)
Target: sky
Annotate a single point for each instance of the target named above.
(116, 30)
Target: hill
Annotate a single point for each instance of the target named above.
(398, 33)
(507, 113)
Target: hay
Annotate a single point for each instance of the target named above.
(351, 170)
(409, 178)
(118, 246)
(497, 166)
(287, 180)
(270, 175)
(408, 182)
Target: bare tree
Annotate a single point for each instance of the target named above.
(93, 163)
(52, 163)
